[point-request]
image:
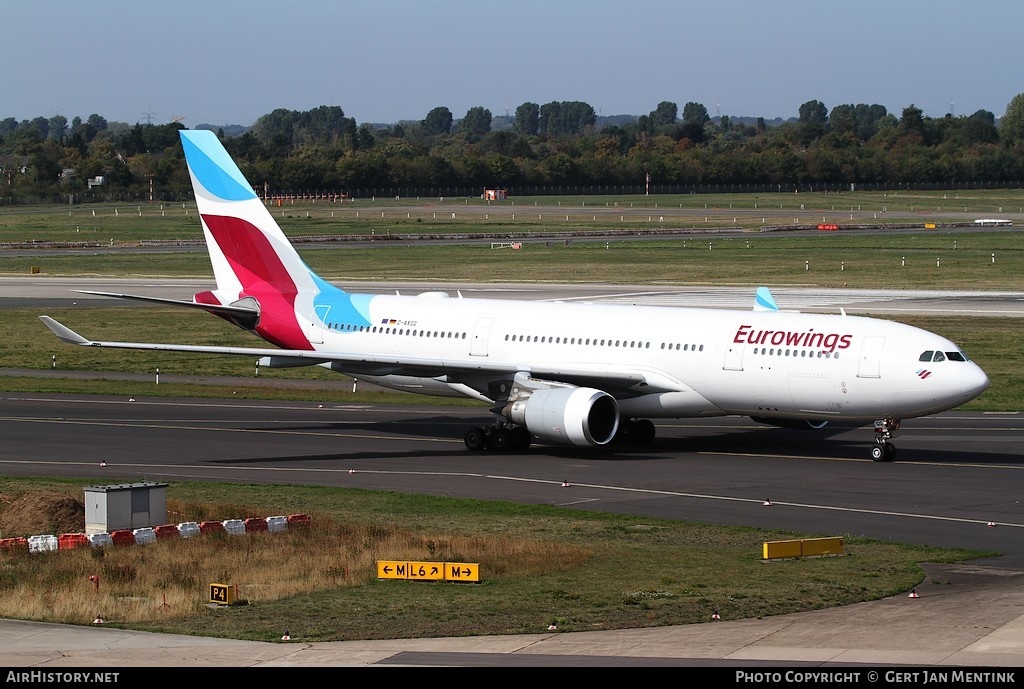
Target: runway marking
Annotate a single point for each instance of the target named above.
(968, 311)
(333, 406)
(725, 498)
(430, 412)
(166, 469)
(578, 502)
(270, 431)
(181, 425)
(961, 465)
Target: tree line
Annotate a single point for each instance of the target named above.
(557, 145)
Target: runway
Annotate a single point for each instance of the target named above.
(956, 474)
(36, 292)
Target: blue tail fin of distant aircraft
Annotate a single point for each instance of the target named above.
(764, 301)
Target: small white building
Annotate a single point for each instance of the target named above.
(125, 506)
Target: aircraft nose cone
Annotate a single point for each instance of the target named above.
(975, 381)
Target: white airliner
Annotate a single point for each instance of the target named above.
(557, 373)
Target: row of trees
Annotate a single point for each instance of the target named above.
(542, 147)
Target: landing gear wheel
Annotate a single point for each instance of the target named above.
(885, 430)
(625, 432)
(643, 431)
(500, 440)
(634, 432)
(476, 438)
(520, 438)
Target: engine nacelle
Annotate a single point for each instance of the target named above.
(568, 416)
(796, 424)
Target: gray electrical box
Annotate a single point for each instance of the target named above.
(124, 506)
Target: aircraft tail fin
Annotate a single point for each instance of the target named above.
(246, 244)
(252, 259)
(764, 301)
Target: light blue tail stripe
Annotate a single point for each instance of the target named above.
(213, 167)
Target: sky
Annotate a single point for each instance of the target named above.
(383, 61)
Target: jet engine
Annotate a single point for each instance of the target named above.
(568, 416)
(796, 424)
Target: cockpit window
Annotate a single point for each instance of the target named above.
(942, 356)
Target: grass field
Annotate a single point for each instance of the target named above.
(129, 223)
(725, 241)
(540, 565)
(927, 260)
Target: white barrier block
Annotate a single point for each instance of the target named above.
(234, 526)
(100, 540)
(42, 544)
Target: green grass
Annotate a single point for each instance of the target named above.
(949, 258)
(123, 223)
(943, 260)
(558, 245)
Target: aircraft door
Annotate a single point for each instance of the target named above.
(314, 329)
(733, 357)
(481, 334)
(870, 362)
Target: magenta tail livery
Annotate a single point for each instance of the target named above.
(552, 372)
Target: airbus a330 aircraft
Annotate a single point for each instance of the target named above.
(558, 373)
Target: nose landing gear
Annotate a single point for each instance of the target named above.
(885, 430)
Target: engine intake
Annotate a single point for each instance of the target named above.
(568, 416)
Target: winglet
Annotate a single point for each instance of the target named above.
(764, 301)
(63, 332)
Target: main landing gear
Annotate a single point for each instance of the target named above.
(500, 438)
(634, 431)
(885, 430)
(506, 437)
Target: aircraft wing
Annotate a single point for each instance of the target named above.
(612, 381)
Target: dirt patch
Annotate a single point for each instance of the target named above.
(41, 513)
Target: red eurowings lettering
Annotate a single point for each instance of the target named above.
(829, 342)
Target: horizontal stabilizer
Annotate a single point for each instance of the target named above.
(220, 309)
